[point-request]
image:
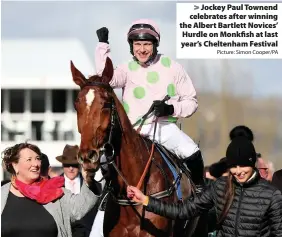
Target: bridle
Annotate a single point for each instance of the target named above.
(108, 149)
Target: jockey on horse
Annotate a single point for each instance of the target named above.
(147, 79)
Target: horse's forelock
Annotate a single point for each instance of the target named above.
(95, 78)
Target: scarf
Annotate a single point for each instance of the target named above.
(42, 191)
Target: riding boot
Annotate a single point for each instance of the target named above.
(195, 164)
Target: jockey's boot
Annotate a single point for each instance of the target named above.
(195, 164)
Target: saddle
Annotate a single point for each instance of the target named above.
(175, 164)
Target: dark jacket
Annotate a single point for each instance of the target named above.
(277, 179)
(212, 213)
(256, 209)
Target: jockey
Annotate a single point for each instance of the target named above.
(149, 77)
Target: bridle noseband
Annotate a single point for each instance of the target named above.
(108, 149)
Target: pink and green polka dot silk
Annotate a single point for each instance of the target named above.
(142, 85)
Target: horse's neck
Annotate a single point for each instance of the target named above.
(133, 150)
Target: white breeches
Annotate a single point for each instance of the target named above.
(171, 137)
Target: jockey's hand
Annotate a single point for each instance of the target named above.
(135, 194)
(162, 109)
(103, 35)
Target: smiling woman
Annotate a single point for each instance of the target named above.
(36, 206)
(236, 198)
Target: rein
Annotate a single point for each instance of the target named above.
(153, 142)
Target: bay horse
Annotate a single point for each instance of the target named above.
(106, 130)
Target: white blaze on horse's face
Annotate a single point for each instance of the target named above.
(90, 98)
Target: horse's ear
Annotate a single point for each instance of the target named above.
(77, 76)
(108, 72)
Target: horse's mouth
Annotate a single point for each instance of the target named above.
(93, 156)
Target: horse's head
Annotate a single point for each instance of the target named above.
(95, 111)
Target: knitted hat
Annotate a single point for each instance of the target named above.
(241, 152)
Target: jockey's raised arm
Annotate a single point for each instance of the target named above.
(148, 78)
(101, 53)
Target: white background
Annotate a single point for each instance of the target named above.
(184, 10)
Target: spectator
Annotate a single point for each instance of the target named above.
(265, 168)
(245, 131)
(45, 166)
(277, 179)
(247, 205)
(32, 206)
(71, 168)
(73, 182)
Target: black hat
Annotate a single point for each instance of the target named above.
(219, 168)
(241, 152)
(241, 131)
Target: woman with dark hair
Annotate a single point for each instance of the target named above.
(246, 205)
(35, 206)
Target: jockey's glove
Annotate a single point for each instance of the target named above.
(103, 35)
(162, 109)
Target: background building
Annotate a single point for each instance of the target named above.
(37, 93)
